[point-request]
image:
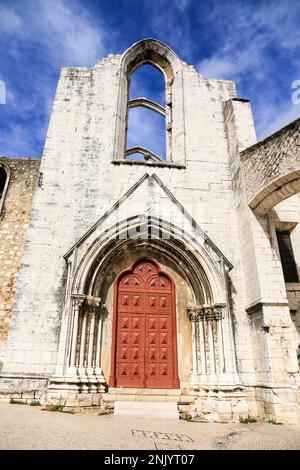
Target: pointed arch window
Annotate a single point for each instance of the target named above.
(4, 179)
(162, 98)
(148, 126)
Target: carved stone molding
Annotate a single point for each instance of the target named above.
(259, 305)
(87, 303)
(77, 300)
(205, 312)
(92, 304)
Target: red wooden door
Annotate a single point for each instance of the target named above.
(145, 351)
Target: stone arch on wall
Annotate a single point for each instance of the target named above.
(205, 314)
(151, 51)
(160, 56)
(101, 283)
(205, 275)
(276, 191)
(271, 169)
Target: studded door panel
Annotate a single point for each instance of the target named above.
(145, 336)
(130, 350)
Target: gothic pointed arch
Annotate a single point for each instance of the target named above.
(160, 56)
(196, 260)
(206, 309)
(192, 249)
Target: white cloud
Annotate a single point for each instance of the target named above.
(245, 41)
(61, 30)
(168, 29)
(217, 67)
(182, 5)
(271, 118)
(10, 22)
(69, 32)
(234, 63)
(40, 36)
(252, 45)
(15, 139)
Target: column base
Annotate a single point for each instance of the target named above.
(224, 380)
(68, 390)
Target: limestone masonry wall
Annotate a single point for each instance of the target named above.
(13, 223)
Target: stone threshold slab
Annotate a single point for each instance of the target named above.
(147, 409)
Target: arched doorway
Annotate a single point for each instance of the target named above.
(144, 346)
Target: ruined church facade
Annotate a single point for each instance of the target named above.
(157, 279)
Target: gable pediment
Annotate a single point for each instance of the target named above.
(149, 198)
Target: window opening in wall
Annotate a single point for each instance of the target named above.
(3, 177)
(287, 256)
(149, 82)
(146, 129)
(146, 116)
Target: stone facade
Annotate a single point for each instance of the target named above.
(96, 213)
(22, 176)
(286, 216)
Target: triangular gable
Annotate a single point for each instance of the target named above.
(158, 196)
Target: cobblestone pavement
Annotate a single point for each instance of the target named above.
(26, 427)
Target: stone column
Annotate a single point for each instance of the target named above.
(202, 349)
(82, 339)
(76, 306)
(207, 343)
(193, 316)
(219, 317)
(65, 381)
(93, 309)
(81, 363)
(83, 342)
(97, 359)
(91, 341)
(209, 318)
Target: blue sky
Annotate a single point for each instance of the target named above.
(145, 127)
(254, 43)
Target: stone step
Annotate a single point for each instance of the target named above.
(144, 391)
(146, 395)
(145, 398)
(147, 409)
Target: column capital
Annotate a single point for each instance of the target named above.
(78, 299)
(93, 304)
(192, 314)
(89, 303)
(205, 312)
